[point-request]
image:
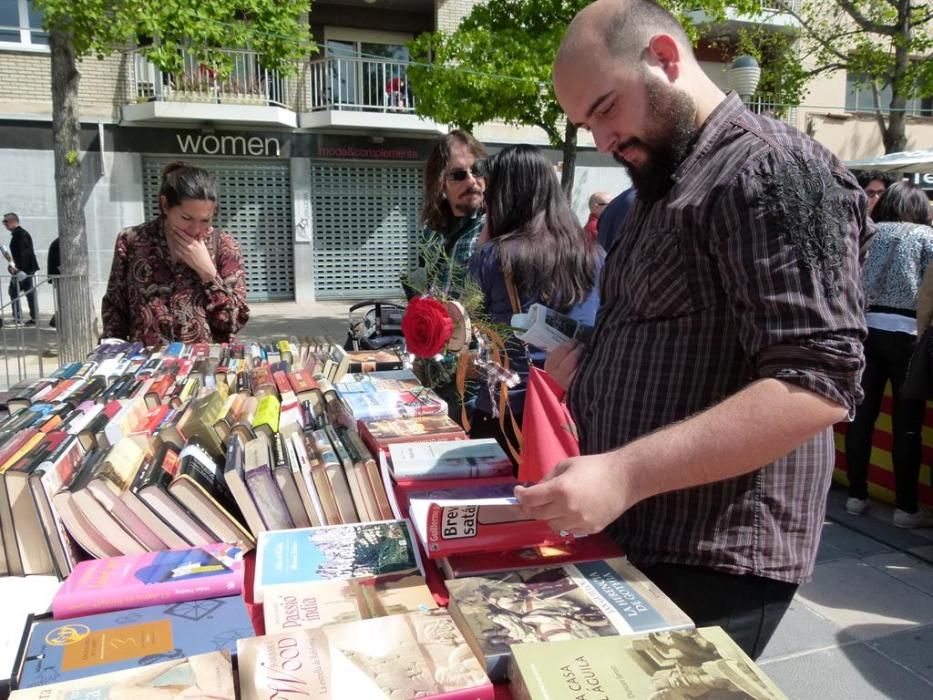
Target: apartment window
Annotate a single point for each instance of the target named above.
(368, 74)
(860, 98)
(21, 24)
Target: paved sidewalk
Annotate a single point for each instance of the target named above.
(862, 628)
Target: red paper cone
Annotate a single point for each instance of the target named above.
(548, 432)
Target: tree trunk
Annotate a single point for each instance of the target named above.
(570, 160)
(75, 315)
(895, 135)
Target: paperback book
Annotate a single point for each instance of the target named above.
(575, 601)
(413, 655)
(701, 663)
(170, 576)
(449, 459)
(333, 552)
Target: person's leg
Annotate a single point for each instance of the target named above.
(859, 431)
(907, 426)
(15, 306)
(29, 289)
(748, 608)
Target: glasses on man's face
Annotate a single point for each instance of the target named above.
(477, 170)
(874, 193)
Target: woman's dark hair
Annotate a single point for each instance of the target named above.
(536, 235)
(902, 201)
(866, 176)
(435, 211)
(181, 181)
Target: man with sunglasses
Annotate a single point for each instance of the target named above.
(452, 212)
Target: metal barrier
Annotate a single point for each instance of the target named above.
(26, 351)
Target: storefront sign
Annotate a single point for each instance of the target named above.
(228, 145)
(924, 180)
(356, 148)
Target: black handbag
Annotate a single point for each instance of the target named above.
(918, 382)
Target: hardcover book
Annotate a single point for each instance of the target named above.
(200, 677)
(333, 552)
(170, 576)
(701, 663)
(449, 459)
(327, 602)
(589, 599)
(381, 433)
(413, 655)
(84, 646)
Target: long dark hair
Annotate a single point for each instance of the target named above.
(435, 210)
(537, 236)
(181, 181)
(902, 201)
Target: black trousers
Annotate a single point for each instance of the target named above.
(886, 357)
(23, 287)
(748, 608)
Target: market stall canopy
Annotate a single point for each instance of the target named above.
(905, 161)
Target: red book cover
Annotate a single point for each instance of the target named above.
(199, 350)
(158, 391)
(153, 419)
(262, 381)
(281, 382)
(59, 389)
(484, 518)
(302, 380)
(591, 548)
(184, 370)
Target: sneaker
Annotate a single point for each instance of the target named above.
(30, 322)
(912, 520)
(856, 506)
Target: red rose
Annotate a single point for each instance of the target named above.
(426, 326)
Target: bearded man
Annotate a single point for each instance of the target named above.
(729, 340)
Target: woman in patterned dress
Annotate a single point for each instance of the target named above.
(176, 277)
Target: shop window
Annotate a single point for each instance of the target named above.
(21, 24)
(860, 98)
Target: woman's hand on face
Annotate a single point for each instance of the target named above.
(192, 252)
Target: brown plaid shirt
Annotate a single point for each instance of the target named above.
(747, 269)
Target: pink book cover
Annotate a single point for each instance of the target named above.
(153, 578)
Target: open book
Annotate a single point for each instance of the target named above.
(546, 329)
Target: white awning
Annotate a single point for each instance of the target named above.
(905, 161)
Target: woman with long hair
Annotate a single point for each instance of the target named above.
(533, 238)
(899, 253)
(176, 277)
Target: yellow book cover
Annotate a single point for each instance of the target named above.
(268, 413)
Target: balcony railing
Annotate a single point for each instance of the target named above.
(766, 104)
(248, 83)
(362, 84)
(781, 5)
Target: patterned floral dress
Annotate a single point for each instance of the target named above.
(154, 299)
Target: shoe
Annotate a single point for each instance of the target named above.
(30, 322)
(857, 506)
(52, 322)
(912, 520)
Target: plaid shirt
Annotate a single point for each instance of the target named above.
(459, 245)
(747, 269)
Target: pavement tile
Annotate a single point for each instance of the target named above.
(840, 542)
(802, 630)
(924, 552)
(876, 523)
(865, 601)
(851, 672)
(907, 569)
(913, 649)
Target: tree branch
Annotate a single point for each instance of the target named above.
(863, 22)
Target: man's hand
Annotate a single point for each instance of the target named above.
(193, 253)
(562, 362)
(582, 495)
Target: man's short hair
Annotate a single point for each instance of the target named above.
(866, 176)
(435, 210)
(11, 215)
(629, 26)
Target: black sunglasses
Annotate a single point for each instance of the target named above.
(477, 170)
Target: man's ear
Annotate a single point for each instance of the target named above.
(665, 52)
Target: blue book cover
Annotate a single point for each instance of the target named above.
(334, 552)
(63, 650)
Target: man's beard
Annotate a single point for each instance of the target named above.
(471, 207)
(667, 144)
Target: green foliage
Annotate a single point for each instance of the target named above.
(270, 27)
(783, 78)
(497, 64)
(71, 157)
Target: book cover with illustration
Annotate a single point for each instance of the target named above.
(327, 602)
(334, 552)
(413, 655)
(471, 519)
(64, 650)
(449, 459)
(200, 677)
(171, 576)
(701, 663)
(574, 601)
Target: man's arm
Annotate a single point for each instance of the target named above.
(752, 428)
